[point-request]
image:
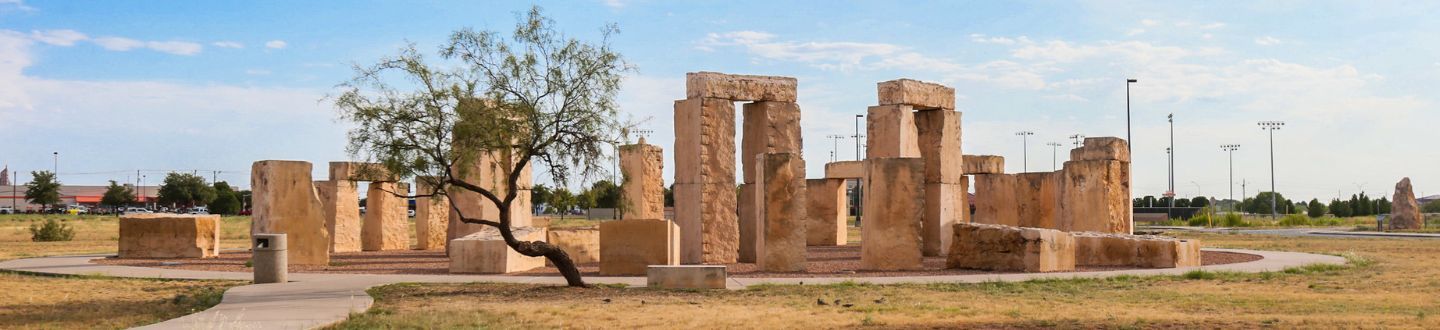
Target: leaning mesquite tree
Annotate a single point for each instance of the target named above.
(534, 97)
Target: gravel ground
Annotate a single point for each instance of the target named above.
(829, 261)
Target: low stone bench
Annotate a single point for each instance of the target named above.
(1008, 248)
(685, 277)
(485, 252)
(1100, 249)
(169, 236)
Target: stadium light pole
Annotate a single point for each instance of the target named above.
(1128, 142)
(835, 146)
(857, 136)
(56, 169)
(1025, 149)
(1080, 138)
(1271, 126)
(1230, 148)
(1054, 151)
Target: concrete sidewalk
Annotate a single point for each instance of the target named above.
(316, 300)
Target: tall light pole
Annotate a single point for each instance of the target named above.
(857, 136)
(1080, 138)
(1197, 189)
(1170, 188)
(835, 146)
(1054, 151)
(1171, 119)
(56, 169)
(1128, 142)
(1230, 148)
(1025, 149)
(1271, 126)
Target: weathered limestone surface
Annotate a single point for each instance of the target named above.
(1100, 249)
(489, 171)
(1095, 196)
(643, 189)
(169, 236)
(769, 127)
(739, 87)
(485, 252)
(582, 244)
(685, 277)
(340, 201)
(432, 216)
(704, 141)
(386, 218)
(709, 225)
(984, 164)
(1102, 148)
(628, 246)
(1037, 199)
(285, 203)
(894, 206)
(827, 213)
(939, 142)
(945, 206)
(891, 132)
(749, 222)
(1007, 248)
(358, 171)
(1405, 210)
(919, 94)
(783, 208)
(853, 169)
(995, 200)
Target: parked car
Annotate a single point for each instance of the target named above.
(77, 209)
(198, 210)
(135, 210)
(7, 210)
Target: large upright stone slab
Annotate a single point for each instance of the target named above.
(489, 171)
(169, 236)
(782, 208)
(995, 200)
(643, 189)
(709, 225)
(581, 244)
(945, 205)
(1102, 148)
(704, 141)
(1007, 248)
(386, 217)
(739, 87)
(939, 142)
(340, 201)
(1405, 210)
(918, 94)
(749, 222)
(1095, 196)
(432, 216)
(628, 246)
(891, 132)
(826, 213)
(853, 169)
(894, 206)
(769, 127)
(984, 164)
(285, 203)
(485, 252)
(1037, 199)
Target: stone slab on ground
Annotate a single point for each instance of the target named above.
(1007, 248)
(169, 236)
(628, 246)
(918, 94)
(285, 202)
(737, 87)
(685, 277)
(827, 213)
(387, 217)
(894, 206)
(1101, 249)
(485, 252)
(782, 206)
(582, 244)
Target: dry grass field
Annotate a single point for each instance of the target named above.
(1388, 284)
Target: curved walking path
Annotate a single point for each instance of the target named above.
(315, 300)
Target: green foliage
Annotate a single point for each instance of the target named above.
(1431, 207)
(185, 189)
(1199, 220)
(117, 195)
(670, 195)
(227, 200)
(43, 189)
(606, 194)
(1233, 220)
(52, 231)
(540, 194)
(1199, 201)
(1315, 208)
(561, 200)
(1261, 203)
(1340, 208)
(1294, 220)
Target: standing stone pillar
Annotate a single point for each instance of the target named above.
(1405, 210)
(705, 201)
(894, 204)
(826, 213)
(1037, 199)
(890, 132)
(386, 226)
(642, 237)
(286, 203)
(643, 190)
(490, 171)
(340, 201)
(781, 205)
(995, 200)
(769, 127)
(432, 215)
(1095, 188)
(945, 195)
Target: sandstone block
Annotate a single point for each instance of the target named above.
(1007, 248)
(984, 164)
(643, 190)
(890, 132)
(1095, 196)
(945, 206)
(1100, 249)
(894, 206)
(387, 225)
(749, 223)
(582, 244)
(432, 216)
(1405, 210)
(685, 277)
(1102, 148)
(704, 141)
(485, 252)
(919, 94)
(853, 169)
(769, 127)
(340, 201)
(169, 236)
(995, 200)
(739, 87)
(358, 171)
(782, 204)
(939, 142)
(285, 202)
(827, 213)
(628, 246)
(709, 225)
(489, 171)
(1037, 199)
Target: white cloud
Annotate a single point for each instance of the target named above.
(118, 43)
(275, 44)
(1149, 22)
(617, 4)
(824, 55)
(175, 47)
(14, 4)
(228, 44)
(1134, 32)
(983, 39)
(58, 37)
(1067, 97)
(1267, 41)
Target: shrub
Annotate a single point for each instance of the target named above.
(1233, 220)
(1294, 220)
(1431, 207)
(52, 231)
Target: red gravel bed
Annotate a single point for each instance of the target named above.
(824, 261)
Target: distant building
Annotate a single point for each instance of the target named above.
(69, 195)
(1427, 199)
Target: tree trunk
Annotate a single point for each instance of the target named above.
(541, 249)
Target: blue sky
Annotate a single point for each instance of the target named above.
(215, 85)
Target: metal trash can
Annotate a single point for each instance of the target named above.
(269, 259)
